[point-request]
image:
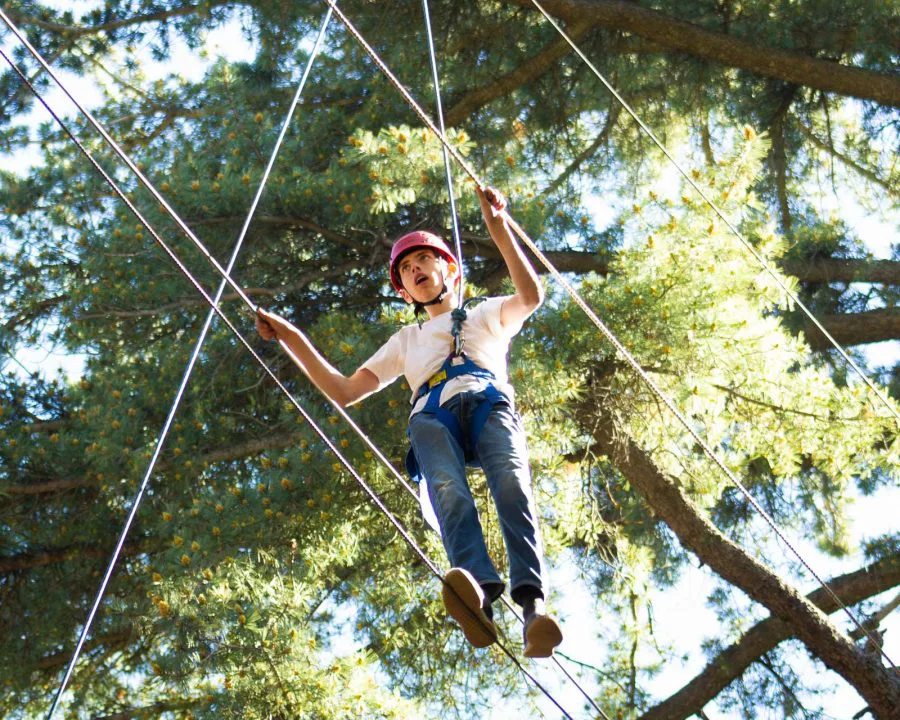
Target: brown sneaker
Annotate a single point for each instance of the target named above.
(542, 634)
(463, 598)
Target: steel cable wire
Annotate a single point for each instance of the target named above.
(439, 113)
(329, 444)
(189, 369)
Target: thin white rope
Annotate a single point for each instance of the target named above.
(407, 537)
(167, 208)
(604, 330)
(457, 324)
(439, 113)
(747, 244)
(189, 369)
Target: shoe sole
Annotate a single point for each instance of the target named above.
(541, 637)
(463, 603)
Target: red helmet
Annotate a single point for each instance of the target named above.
(410, 241)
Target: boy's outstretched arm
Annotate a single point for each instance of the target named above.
(337, 386)
(529, 291)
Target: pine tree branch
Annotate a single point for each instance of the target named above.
(778, 155)
(111, 641)
(844, 270)
(874, 620)
(865, 172)
(284, 221)
(49, 426)
(251, 447)
(42, 488)
(879, 686)
(813, 271)
(766, 635)
(42, 558)
(156, 710)
(33, 312)
(77, 31)
(786, 65)
(525, 73)
(301, 283)
(612, 117)
(851, 329)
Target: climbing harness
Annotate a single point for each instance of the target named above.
(453, 367)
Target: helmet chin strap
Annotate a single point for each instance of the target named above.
(419, 307)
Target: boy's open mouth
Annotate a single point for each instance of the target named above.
(421, 279)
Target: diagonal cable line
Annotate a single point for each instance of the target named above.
(377, 452)
(189, 369)
(344, 462)
(410, 541)
(606, 331)
(444, 140)
(461, 300)
(167, 208)
(718, 211)
(439, 112)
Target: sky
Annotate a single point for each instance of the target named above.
(681, 616)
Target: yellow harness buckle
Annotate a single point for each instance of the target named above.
(437, 378)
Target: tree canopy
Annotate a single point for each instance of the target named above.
(255, 559)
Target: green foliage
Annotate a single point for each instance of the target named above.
(255, 561)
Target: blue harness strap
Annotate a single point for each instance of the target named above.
(433, 387)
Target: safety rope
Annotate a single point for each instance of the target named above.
(458, 315)
(718, 211)
(173, 256)
(189, 369)
(602, 327)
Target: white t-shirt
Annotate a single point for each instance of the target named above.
(418, 353)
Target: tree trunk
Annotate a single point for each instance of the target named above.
(855, 328)
(763, 637)
(879, 687)
(829, 270)
(789, 66)
(31, 560)
(814, 271)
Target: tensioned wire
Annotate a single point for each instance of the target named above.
(189, 369)
(344, 462)
(718, 211)
(439, 112)
(629, 358)
(459, 259)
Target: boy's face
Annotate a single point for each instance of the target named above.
(423, 273)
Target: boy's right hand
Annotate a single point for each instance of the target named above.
(269, 324)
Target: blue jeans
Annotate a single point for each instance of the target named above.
(502, 453)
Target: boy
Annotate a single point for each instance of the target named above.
(462, 413)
